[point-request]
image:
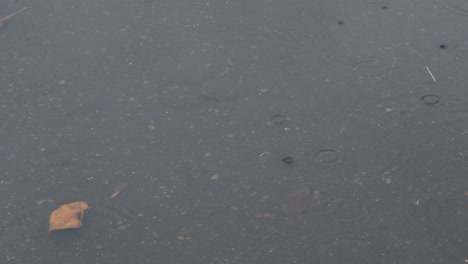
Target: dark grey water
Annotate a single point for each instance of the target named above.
(214, 112)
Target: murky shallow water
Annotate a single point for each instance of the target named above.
(215, 112)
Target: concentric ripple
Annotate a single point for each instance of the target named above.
(438, 204)
(440, 220)
(430, 99)
(328, 157)
(459, 7)
(448, 117)
(347, 208)
(279, 120)
(461, 50)
(358, 145)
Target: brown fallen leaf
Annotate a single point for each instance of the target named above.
(296, 202)
(119, 189)
(67, 216)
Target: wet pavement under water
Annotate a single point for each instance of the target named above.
(235, 131)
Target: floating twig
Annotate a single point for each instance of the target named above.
(119, 189)
(5, 19)
(432, 75)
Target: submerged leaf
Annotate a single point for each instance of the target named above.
(296, 202)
